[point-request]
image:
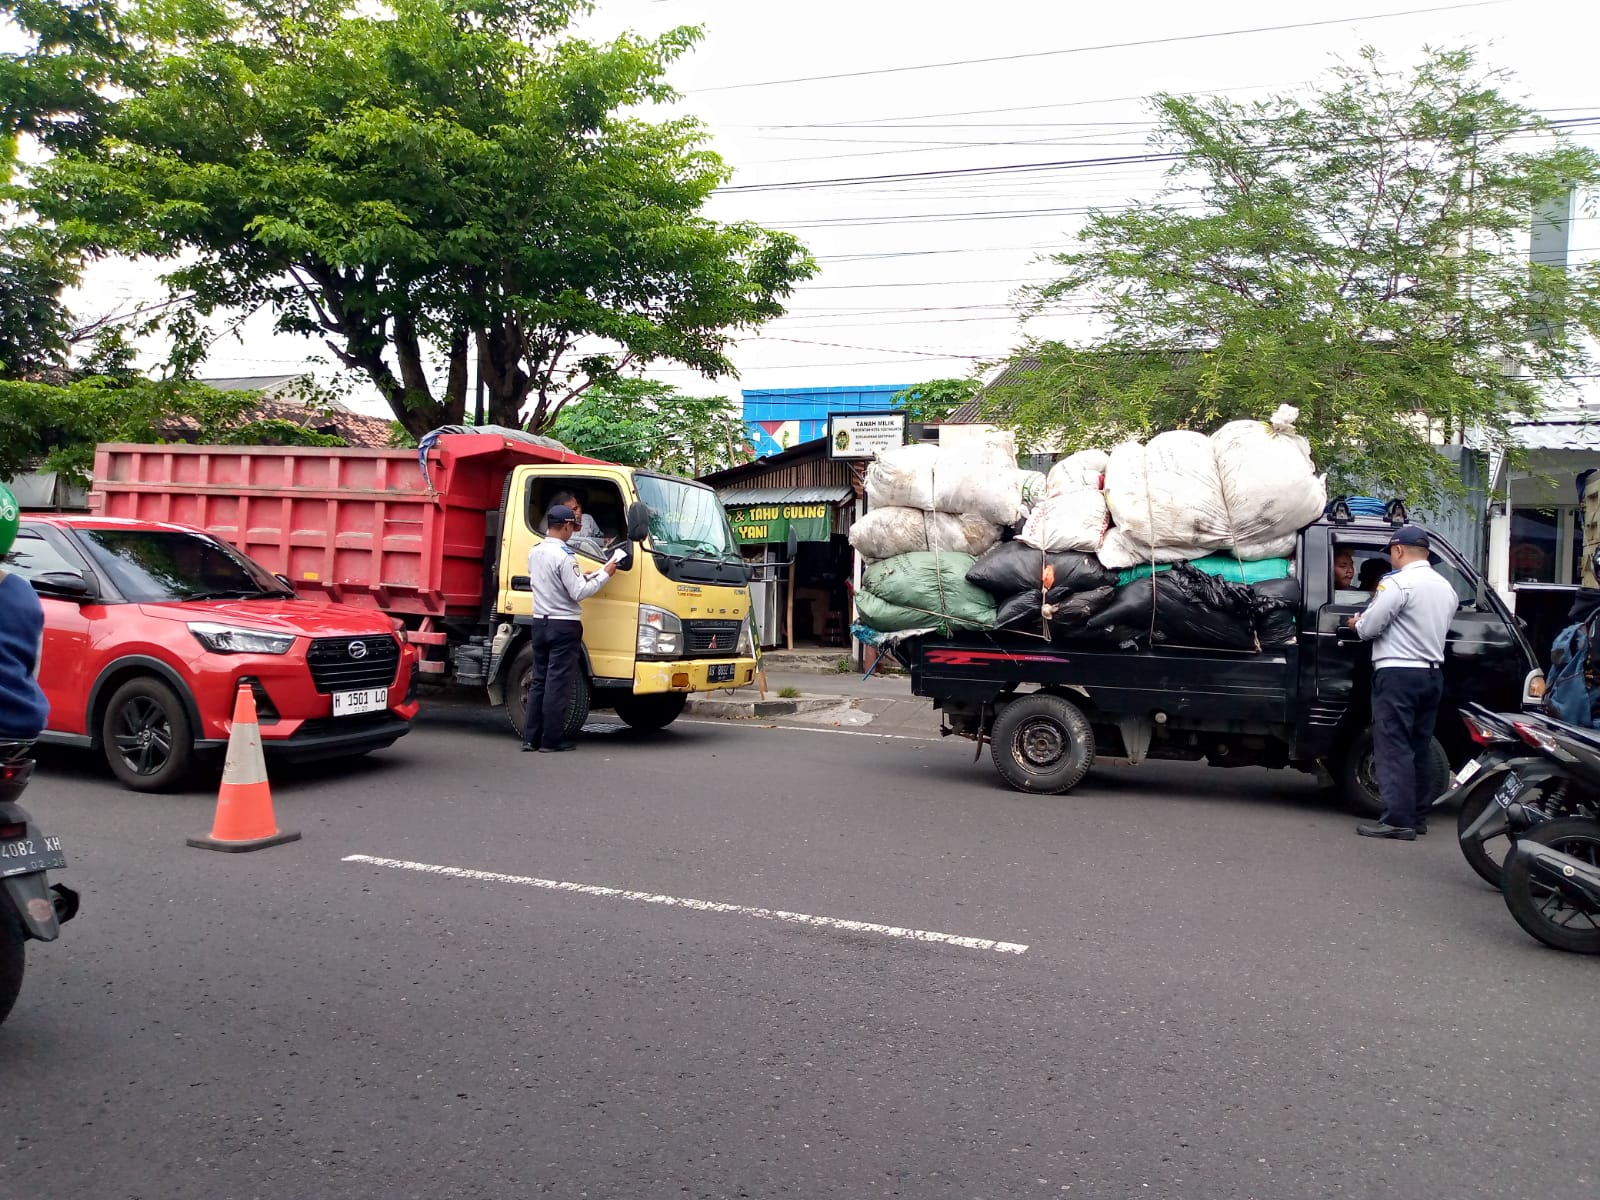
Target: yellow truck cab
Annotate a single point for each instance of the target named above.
(673, 620)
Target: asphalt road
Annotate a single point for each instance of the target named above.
(1224, 992)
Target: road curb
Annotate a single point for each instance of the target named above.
(736, 710)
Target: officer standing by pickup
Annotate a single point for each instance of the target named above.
(559, 585)
(1407, 623)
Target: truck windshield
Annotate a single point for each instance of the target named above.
(154, 565)
(686, 518)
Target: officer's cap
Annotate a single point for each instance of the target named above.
(560, 514)
(1409, 535)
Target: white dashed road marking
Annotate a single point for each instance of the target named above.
(709, 906)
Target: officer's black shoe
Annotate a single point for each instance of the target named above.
(1422, 828)
(558, 748)
(528, 747)
(1378, 829)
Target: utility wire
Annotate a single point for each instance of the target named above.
(1161, 41)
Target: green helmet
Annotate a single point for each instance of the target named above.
(10, 513)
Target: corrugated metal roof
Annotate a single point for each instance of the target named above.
(1558, 429)
(809, 495)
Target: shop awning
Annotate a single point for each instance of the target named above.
(832, 494)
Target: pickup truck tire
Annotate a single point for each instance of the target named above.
(146, 736)
(13, 959)
(651, 713)
(1358, 777)
(1042, 743)
(517, 696)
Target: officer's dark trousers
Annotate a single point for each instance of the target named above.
(1405, 701)
(556, 661)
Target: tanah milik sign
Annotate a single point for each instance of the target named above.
(753, 523)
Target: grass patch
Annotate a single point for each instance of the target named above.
(789, 693)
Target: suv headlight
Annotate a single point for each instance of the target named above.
(747, 646)
(660, 633)
(232, 639)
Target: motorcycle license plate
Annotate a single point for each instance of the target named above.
(719, 673)
(347, 704)
(1467, 772)
(25, 855)
(1509, 790)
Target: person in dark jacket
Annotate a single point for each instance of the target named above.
(23, 708)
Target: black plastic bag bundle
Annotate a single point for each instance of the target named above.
(1069, 611)
(1184, 607)
(1277, 604)
(1012, 568)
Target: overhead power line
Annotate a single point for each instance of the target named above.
(1161, 41)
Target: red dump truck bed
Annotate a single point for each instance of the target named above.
(359, 526)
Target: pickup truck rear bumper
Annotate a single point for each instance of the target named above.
(693, 675)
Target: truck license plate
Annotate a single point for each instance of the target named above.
(719, 673)
(347, 704)
(25, 855)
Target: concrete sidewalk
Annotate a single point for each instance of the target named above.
(885, 704)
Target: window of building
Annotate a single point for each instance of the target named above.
(1546, 544)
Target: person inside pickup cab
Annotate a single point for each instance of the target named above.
(1344, 568)
(1372, 573)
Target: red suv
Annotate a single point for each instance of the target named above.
(149, 629)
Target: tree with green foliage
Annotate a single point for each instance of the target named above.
(643, 423)
(450, 183)
(1359, 252)
(927, 403)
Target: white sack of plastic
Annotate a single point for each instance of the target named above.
(1270, 488)
(979, 479)
(903, 477)
(1071, 521)
(890, 532)
(1083, 471)
(1165, 499)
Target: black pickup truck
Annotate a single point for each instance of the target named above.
(1049, 708)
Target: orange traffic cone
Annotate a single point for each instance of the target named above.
(244, 819)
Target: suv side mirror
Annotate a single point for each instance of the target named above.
(63, 585)
(638, 521)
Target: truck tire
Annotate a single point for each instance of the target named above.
(1042, 743)
(517, 696)
(650, 713)
(13, 960)
(146, 736)
(1358, 777)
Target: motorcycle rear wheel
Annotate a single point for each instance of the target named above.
(1538, 907)
(12, 962)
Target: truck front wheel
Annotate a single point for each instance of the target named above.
(1358, 777)
(521, 675)
(1042, 743)
(651, 712)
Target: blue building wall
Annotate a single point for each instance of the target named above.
(781, 418)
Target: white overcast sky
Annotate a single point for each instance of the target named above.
(917, 276)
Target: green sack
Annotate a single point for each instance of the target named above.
(1223, 566)
(924, 590)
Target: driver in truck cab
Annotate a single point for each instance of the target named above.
(23, 707)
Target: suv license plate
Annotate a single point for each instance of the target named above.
(25, 855)
(719, 673)
(347, 704)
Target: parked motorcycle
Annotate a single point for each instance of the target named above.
(30, 906)
(1507, 770)
(1552, 883)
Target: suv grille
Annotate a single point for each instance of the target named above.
(335, 669)
(711, 639)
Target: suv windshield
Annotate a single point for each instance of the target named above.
(686, 518)
(152, 565)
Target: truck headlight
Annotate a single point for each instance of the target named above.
(232, 639)
(660, 633)
(747, 646)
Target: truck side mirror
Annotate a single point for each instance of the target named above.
(63, 585)
(638, 521)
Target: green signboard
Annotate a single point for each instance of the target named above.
(757, 523)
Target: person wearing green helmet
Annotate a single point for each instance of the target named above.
(23, 707)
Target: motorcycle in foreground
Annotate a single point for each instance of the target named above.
(30, 906)
(1552, 873)
(1509, 769)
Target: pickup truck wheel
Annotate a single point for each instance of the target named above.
(1042, 743)
(146, 736)
(517, 697)
(650, 713)
(12, 961)
(1358, 777)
